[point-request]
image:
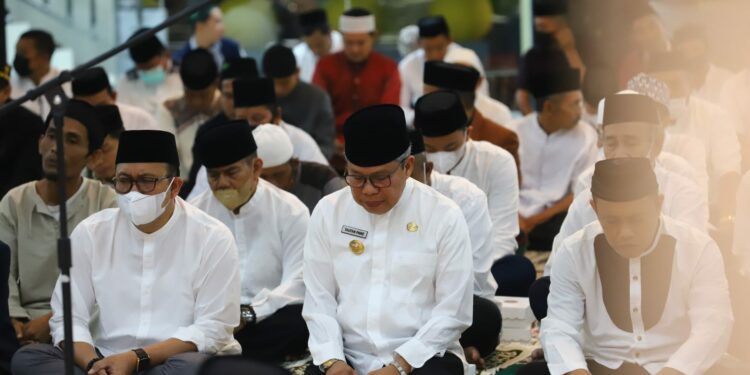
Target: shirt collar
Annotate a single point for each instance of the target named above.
(655, 240)
(72, 203)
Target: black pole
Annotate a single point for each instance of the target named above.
(66, 76)
(57, 101)
(3, 48)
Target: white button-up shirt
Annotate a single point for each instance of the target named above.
(683, 201)
(180, 282)
(691, 334)
(270, 233)
(21, 85)
(473, 204)
(134, 118)
(550, 163)
(409, 292)
(307, 60)
(493, 170)
(131, 90)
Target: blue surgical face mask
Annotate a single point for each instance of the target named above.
(153, 77)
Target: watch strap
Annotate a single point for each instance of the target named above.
(91, 363)
(144, 361)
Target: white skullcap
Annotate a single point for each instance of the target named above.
(357, 24)
(274, 146)
(463, 56)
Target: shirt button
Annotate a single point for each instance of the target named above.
(635, 310)
(637, 355)
(639, 338)
(635, 278)
(356, 81)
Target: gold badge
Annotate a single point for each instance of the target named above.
(412, 227)
(357, 247)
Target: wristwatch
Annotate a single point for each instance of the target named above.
(144, 361)
(248, 314)
(327, 365)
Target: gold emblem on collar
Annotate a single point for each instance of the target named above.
(412, 227)
(357, 247)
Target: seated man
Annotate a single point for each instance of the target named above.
(30, 218)
(162, 274)
(318, 41)
(302, 104)
(464, 80)
(269, 226)
(556, 146)
(442, 121)
(308, 181)
(635, 292)
(387, 262)
(103, 168)
(481, 339)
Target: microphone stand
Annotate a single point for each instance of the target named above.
(56, 97)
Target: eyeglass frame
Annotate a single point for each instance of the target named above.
(365, 179)
(137, 184)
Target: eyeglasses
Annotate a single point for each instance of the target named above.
(123, 184)
(378, 181)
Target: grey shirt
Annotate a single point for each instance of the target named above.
(31, 229)
(315, 181)
(309, 108)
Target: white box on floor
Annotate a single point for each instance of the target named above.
(517, 318)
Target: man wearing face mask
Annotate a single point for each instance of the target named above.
(29, 217)
(481, 339)
(701, 119)
(387, 262)
(34, 51)
(153, 80)
(162, 274)
(556, 146)
(441, 119)
(629, 128)
(231, 70)
(635, 292)
(199, 103)
(308, 181)
(20, 130)
(269, 226)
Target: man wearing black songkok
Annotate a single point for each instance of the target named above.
(635, 292)
(302, 104)
(387, 262)
(29, 217)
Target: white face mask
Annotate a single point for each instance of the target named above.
(446, 161)
(142, 208)
(678, 108)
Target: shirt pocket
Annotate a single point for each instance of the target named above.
(412, 277)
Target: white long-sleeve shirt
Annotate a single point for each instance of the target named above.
(683, 201)
(550, 163)
(689, 335)
(40, 106)
(270, 232)
(473, 204)
(493, 170)
(307, 60)
(409, 292)
(180, 282)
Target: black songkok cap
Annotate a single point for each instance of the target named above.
(147, 146)
(623, 108)
(312, 20)
(239, 67)
(145, 50)
(538, 60)
(109, 116)
(198, 69)
(85, 114)
(279, 62)
(623, 179)
(417, 142)
(450, 76)
(91, 81)
(550, 8)
(253, 92)
(557, 82)
(375, 135)
(432, 26)
(225, 144)
(439, 113)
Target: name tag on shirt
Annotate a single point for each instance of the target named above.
(354, 232)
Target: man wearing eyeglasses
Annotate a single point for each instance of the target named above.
(269, 226)
(162, 274)
(29, 217)
(387, 264)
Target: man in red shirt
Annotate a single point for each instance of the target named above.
(357, 77)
